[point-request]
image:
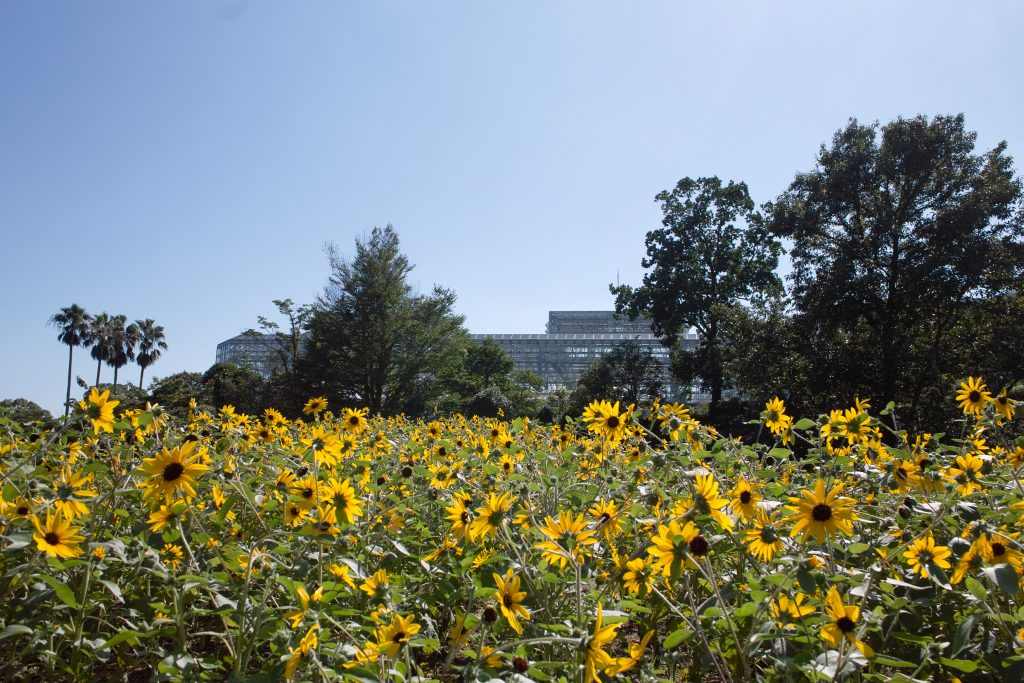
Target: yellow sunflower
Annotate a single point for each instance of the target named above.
(100, 410)
(603, 418)
(1005, 405)
(354, 421)
(510, 599)
(315, 406)
(172, 472)
(786, 610)
(308, 643)
(764, 540)
(566, 539)
(392, 637)
(745, 499)
(674, 547)
(972, 396)
(821, 514)
(923, 552)
(843, 623)
(597, 660)
(56, 537)
(966, 473)
(344, 499)
(775, 418)
(459, 515)
(492, 514)
(638, 578)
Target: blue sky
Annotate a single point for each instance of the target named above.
(186, 161)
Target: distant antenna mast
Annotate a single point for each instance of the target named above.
(617, 283)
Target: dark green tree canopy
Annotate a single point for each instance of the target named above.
(487, 361)
(73, 325)
(285, 343)
(711, 253)
(895, 231)
(628, 373)
(375, 343)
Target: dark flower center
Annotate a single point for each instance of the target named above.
(821, 512)
(699, 546)
(507, 600)
(22, 511)
(998, 549)
(400, 637)
(173, 471)
(353, 420)
(52, 538)
(464, 517)
(307, 493)
(745, 497)
(845, 624)
(613, 421)
(974, 397)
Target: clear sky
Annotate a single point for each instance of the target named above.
(186, 161)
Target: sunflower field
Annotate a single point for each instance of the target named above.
(634, 542)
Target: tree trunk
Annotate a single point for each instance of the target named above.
(99, 364)
(142, 369)
(115, 376)
(67, 400)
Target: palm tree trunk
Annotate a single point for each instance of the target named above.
(115, 376)
(142, 369)
(99, 363)
(67, 400)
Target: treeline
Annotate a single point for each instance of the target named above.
(906, 248)
(907, 251)
(110, 339)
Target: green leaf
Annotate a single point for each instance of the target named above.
(677, 637)
(1004, 576)
(62, 590)
(938, 576)
(975, 588)
(15, 630)
(745, 610)
(912, 638)
(891, 661)
(965, 665)
(857, 548)
(131, 637)
(804, 423)
(781, 453)
(962, 639)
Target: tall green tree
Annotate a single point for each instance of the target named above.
(711, 253)
(375, 343)
(101, 340)
(898, 232)
(285, 343)
(629, 373)
(487, 361)
(124, 339)
(73, 324)
(151, 343)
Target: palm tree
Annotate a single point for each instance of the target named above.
(101, 340)
(151, 341)
(73, 323)
(123, 339)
